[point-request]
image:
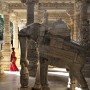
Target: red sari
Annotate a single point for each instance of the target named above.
(13, 66)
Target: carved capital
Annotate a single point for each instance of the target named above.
(5, 8)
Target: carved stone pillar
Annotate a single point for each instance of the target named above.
(31, 52)
(31, 48)
(30, 11)
(15, 39)
(81, 23)
(81, 27)
(7, 42)
(84, 27)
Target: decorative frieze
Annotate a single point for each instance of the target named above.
(17, 6)
(56, 6)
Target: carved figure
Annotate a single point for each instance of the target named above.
(62, 53)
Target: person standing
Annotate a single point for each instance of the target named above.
(13, 66)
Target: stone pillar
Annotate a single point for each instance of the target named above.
(46, 19)
(32, 51)
(81, 30)
(76, 21)
(84, 27)
(1, 64)
(81, 23)
(71, 26)
(15, 39)
(30, 11)
(7, 42)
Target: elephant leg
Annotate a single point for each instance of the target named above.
(32, 56)
(80, 78)
(37, 85)
(72, 81)
(24, 74)
(43, 73)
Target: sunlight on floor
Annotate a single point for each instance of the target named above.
(58, 69)
(15, 72)
(59, 73)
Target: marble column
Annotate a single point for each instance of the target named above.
(7, 42)
(15, 39)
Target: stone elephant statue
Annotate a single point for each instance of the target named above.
(53, 50)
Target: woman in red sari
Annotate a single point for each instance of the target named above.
(13, 66)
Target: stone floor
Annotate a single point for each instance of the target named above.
(58, 79)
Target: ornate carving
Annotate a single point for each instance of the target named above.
(70, 54)
(17, 6)
(5, 7)
(56, 6)
(81, 22)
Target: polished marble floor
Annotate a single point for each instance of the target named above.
(58, 79)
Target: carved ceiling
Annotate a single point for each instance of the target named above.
(52, 6)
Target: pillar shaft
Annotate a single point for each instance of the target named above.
(81, 23)
(15, 39)
(30, 12)
(84, 27)
(31, 52)
(7, 42)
